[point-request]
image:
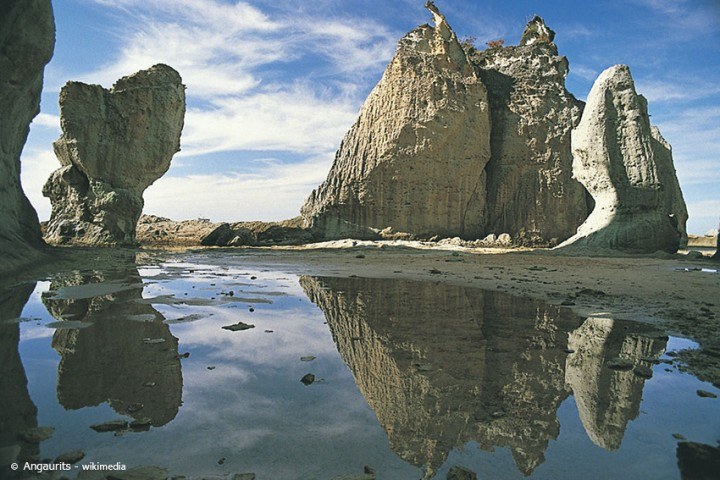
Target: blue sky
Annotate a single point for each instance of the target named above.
(272, 86)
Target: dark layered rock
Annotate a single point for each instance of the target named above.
(618, 161)
(115, 143)
(18, 413)
(414, 161)
(27, 40)
(530, 190)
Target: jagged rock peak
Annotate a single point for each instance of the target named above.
(115, 143)
(413, 163)
(536, 31)
(619, 162)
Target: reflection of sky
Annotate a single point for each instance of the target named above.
(253, 410)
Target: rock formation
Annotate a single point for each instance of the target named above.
(110, 360)
(27, 40)
(531, 192)
(18, 413)
(674, 203)
(615, 157)
(717, 247)
(414, 161)
(491, 371)
(608, 399)
(114, 145)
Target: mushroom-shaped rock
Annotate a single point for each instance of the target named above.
(616, 159)
(115, 143)
(27, 39)
(414, 161)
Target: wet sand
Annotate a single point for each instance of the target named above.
(678, 293)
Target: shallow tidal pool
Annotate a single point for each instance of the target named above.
(407, 379)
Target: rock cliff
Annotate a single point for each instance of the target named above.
(414, 160)
(531, 192)
(492, 371)
(114, 145)
(616, 158)
(110, 360)
(674, 203)
(27, 40)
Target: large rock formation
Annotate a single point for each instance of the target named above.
(608, 399)
(114, 145)
(492, 371)
(27, 40)
(531, 192)
(18, 413)
(111, 360)
(414, 160)
(616, 158)
(674, 203)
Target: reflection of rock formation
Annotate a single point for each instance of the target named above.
(18, 411)
(607, 399)
(698, 461)
(444, 365)
(110, 360)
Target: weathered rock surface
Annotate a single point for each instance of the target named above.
(414, 161)
(607, 398)
(126, 348)
(717, 247)
(492, 371)
(115, 144)
(18, 414)
(27, 40)
(153, 230)
(622, 166)
(531, 193)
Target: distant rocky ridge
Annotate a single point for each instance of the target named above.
(115, 143)
(27, 40)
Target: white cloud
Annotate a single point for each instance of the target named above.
(672, 90)
(36, 167)
(276, 193)
(586, 73)
(48, 121)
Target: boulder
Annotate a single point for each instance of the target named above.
(616, 158)
(27, 40)
(115, 143)
(530, 190)
(414, 160)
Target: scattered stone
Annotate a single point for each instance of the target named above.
(309, 358)
(460, 473)
(308, 379)
(36, 434)
(369, 470)
(70, 457)
(152, 341)
(619, 363)
(706, 394)
(678, 436)
(149, 384)
(238, 327)
(221, 461)
(141, 425)
(360, 256)
(568, 350)
(269, 331)
(111, 426)
(567, 303)
(211, 367)
(643, 371)
(251, 309)
(244, 476)
(435, 271)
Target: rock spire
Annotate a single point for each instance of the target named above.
(115, 143)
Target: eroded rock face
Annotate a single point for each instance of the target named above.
(531, 192)
(492, 371)
(674, 203)
(414, 160)
(27, 40)
(115, 144)
(717, 248)
(616, 158)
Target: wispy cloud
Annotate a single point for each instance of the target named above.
(275, 192)
(659, 90)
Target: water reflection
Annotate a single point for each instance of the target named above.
(122, 354)
(18, 412)
(444, 365)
